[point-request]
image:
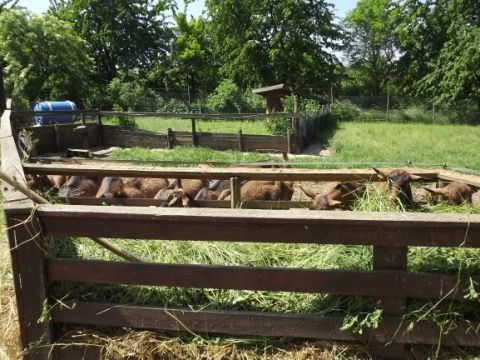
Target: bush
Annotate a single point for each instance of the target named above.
(345, 110)
(132, 95)
(228, 98)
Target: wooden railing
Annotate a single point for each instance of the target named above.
(390, 234)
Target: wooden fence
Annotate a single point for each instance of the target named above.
(53, 138)
(390, 234)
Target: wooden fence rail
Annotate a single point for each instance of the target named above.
(292, 142)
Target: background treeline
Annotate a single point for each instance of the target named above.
(149, 55)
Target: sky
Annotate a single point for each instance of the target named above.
(195, 9)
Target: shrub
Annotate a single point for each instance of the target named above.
(227, 98)
(345, 110)
(132, 95)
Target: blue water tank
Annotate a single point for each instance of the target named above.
(54, 106)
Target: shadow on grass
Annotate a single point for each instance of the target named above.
(326, 131)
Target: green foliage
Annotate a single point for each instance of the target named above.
(370, 46)
(192, 67)
(265, 42)
(43, 56)
(125, 36)
(131, 96)
(229, 98)
(438, 42)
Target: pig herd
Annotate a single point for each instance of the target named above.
(185, 192)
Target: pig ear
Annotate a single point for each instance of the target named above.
(380, 173)
(334, 203)
(309, 193)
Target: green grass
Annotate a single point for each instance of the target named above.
(160, 125)
(422, 144)
(356, 145)
(185, 156)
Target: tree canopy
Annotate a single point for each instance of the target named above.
(141, 53)
(44, 57)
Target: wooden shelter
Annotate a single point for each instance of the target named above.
(273, 95)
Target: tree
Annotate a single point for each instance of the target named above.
(371, 46)
(125, 35)
(439, 42)
(192, 66)
(265, 42)
(44, 57)
(4, 5)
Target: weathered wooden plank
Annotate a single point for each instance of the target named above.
(458, 177)
(278, 205)
(253, 324)
(393, 258)
(115, 136)
(212, 173)
(374, 283)
(303, 226)
(10, 159)
(28, 266)
(231, 116)
(46, 138)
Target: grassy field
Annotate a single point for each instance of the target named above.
(357, 145)
(160, 125)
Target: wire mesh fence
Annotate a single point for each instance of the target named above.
(405, 109)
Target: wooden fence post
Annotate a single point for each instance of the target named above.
(84, 122)
(390, 258)
(240, 140)
(28, 266)
(289, 141)
(194, 134)
(235, 183)
(170, 138)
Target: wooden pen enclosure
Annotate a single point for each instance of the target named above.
(390, 234)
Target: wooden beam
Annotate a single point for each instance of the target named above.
(392, 259)
(459, 177)
(374, 283)
(203, 116)
(255, 324)
(224, 204)
(301, 226)
(213, 173)
(26, 244)
(11, 164)
(235, 192)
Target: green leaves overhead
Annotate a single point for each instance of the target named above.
(44, 57)
(123, 35)
(439, 41)
(267, 42)
(370, 46)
